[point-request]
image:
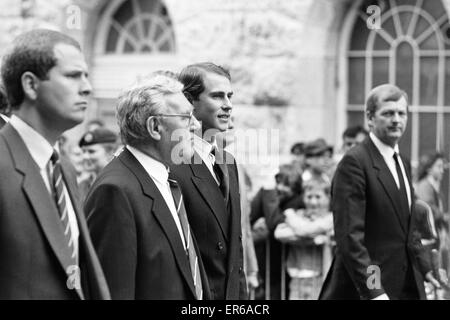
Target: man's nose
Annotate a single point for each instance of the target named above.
(86, 87)
(396, 117)
(227, 104)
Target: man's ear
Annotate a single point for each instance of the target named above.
(154, 128)
(30, 84)
(369, 116)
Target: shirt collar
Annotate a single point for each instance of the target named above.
(37, 145)
(156, 169)
(4, 117)
(203, 147)
(385, 150)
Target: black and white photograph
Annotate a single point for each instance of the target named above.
(225, 154)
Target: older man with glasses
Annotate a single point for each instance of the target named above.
(136, 214)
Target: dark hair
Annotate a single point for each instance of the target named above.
(426, 162)
(289, 176)
(381, 94)
(4, 105)
(352, 132)
(32, 51)
(192, 78)
(298, 148)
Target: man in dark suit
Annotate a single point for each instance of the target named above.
(379, 254)
(136, 215)
(210, 182)
(45, 248)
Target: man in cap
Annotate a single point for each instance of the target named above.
(98, 148)
(318, 160)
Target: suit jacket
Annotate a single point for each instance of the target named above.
(136, 238)
(217, 229)
(33, 251)
(371, 230)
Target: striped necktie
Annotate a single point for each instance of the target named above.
(190, 249)
(60, 199)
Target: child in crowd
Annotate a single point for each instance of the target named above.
(308, 235)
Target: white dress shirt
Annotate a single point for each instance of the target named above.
(388, 155)
(41, 152)
(159, 173)
(4, 117)
(203, 148)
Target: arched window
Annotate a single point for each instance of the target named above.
(411, 50)
(140, 26)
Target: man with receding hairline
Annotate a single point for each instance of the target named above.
(378, 254)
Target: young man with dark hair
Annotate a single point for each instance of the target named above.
(210, 182)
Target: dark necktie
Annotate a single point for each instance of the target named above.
(403, 194)
(190, 249)
(58, 191)
(221, 171)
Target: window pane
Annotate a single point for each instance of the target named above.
(147, 5)
(405, 19)
(430, 43)
(434, 8)
(428, 80)
(128, 47)
(124, 13)
(356, 74)
(445, 33)
(380, 71)
(404, 66)
(381, 44)
(389, 27)
(405, 141)
(421, 26)
(445, 183)
(359, 36)
(427, 133)
(447, 83)
(355, 118)
(111, 42)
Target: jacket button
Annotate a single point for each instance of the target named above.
(220, 245)
(241, 269)
(240, 237)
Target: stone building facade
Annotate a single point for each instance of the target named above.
(302, 67)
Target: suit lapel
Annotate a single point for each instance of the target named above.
(162, 214)
(387, 181)
(210, 192)
(34, 187)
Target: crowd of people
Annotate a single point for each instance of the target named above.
(141, 215)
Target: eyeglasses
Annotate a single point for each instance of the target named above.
(189, 115)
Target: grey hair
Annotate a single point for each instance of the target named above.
(139, 102)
